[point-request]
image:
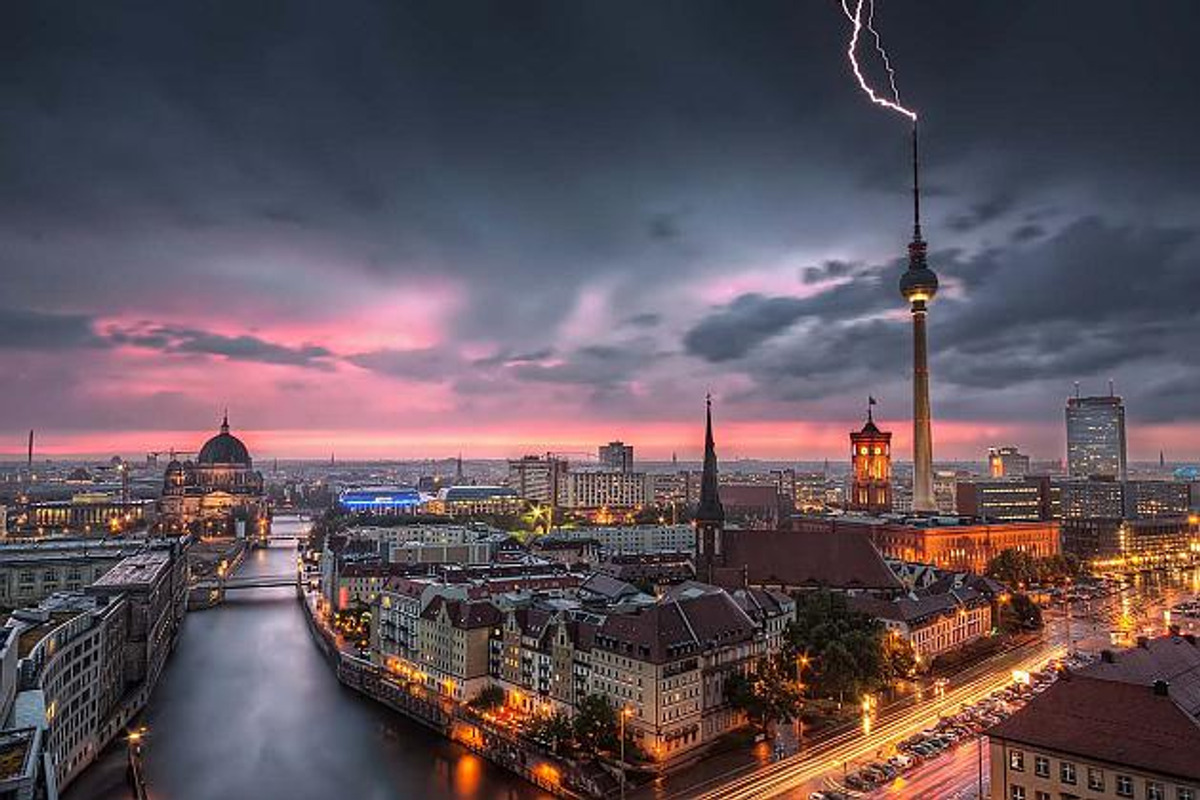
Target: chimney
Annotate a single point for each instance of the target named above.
(1143, 642)
(1161, 688)
(1107, 656)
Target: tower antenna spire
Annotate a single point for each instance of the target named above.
(916, 186)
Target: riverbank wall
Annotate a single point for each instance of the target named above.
(555, 775)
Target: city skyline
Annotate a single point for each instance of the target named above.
(347, 275)
(671, 400)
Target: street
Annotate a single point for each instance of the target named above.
(1138, 609)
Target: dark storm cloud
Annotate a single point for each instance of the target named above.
(35, 330)
(425, 364)
(739, 327)
(509, 358)
(1078, 304)
(981, 213)
(826, 271)
(646, 320)
(735, 329)
(200, 342)
(284, 163)
(247, 348)
(595, 366)
(1027, 232)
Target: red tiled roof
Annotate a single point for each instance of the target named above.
(1120, 723)
(794, 558)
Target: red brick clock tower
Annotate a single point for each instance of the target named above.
(871, 457)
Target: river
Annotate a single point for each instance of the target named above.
(247, 708)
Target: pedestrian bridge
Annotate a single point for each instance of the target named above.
(249, 582)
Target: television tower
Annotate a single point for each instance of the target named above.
(918, 285)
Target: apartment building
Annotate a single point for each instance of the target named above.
(86, 664)
(933, 623)
(1126, 727)
(454, 637)
(633, 539)
(590, 490)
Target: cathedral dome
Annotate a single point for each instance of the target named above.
(224, 448)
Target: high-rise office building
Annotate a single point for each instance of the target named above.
(1007, 462)
(1096, 437)
(617, 456)
(537, 479)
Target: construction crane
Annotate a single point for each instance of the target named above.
(152, 455)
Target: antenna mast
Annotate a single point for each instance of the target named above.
(916, 190)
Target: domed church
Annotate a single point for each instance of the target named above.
(219, 494)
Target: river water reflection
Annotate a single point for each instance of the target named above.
(247, 708)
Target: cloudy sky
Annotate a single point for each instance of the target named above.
(408, 228)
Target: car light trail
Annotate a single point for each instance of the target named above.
(828, 757)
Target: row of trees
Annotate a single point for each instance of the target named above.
(1018, 568)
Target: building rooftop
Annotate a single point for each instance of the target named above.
(137, 571)
(842, 560)
(1174, 659)
(1128, 724)
(30, 637)
(467, 493)
(15, 747)
(675, 628)
(916, 608)
(469, 614)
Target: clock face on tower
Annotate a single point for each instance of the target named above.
(872, 470)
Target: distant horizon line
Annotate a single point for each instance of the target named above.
(10, 460)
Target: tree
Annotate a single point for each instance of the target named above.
(837, 670)
(596, 725)
(554, 731)
(1014, 567)
(769, 693)
(1020, 613)
(489, 697)
(845, 648)
(1058, 568)
(1018, 568)
(899, 658)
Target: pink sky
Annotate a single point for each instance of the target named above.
(783, 441)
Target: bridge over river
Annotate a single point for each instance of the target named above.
(248, 708)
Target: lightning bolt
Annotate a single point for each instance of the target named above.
(856, 18)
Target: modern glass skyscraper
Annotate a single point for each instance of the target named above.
(1096, 437)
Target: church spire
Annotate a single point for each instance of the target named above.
(225, 422)
(710, 509)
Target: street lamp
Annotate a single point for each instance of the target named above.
(802, 662)
(626, 713)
